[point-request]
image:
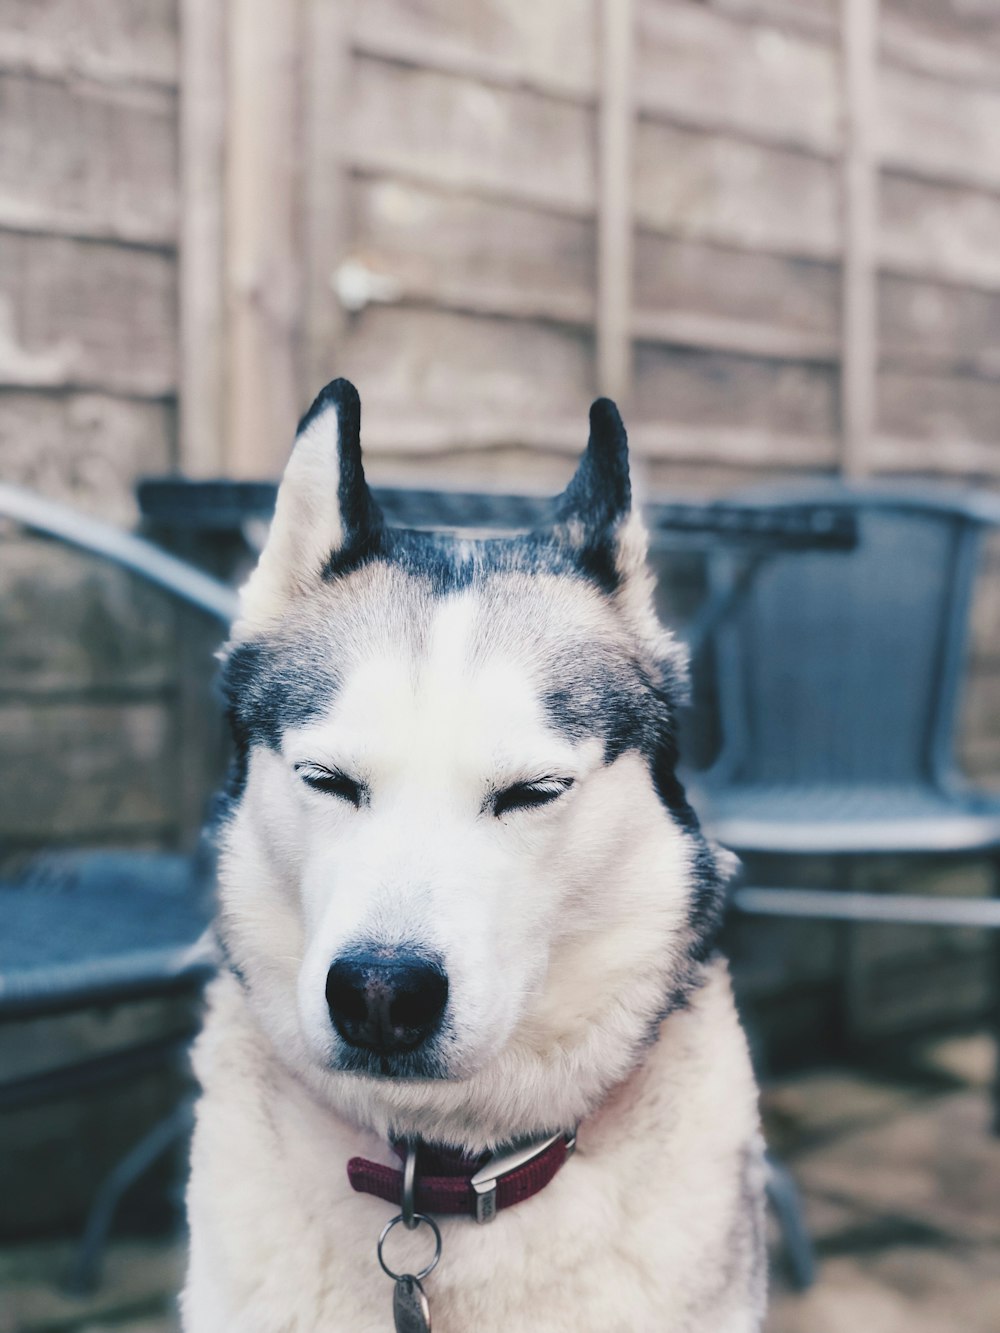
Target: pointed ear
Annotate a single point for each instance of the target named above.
(594, 514)
(324, 507)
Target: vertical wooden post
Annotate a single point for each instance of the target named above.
(328, 28)
(859, 357)
(263, 250)
(614, 207)
(202, 320)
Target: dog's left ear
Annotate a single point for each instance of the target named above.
(594, 514)
(324, 508)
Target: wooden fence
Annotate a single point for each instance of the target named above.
(768, 226)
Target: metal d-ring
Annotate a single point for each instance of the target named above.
(417, 1219)
(408, 1204)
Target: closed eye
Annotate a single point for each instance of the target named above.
(527, 795)
(331, 782)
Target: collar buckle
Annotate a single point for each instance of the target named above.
(484, 1182)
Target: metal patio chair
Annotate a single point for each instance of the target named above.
(85, 928)
(838, 682)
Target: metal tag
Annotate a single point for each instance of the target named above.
(409, 1306)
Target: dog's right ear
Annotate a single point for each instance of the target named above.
(324, 508)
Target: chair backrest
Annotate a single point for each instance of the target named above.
(844, 668)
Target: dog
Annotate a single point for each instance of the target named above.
(467, 920)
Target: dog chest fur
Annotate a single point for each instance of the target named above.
(653, 1226)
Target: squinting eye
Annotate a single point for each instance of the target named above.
(525, 795)
(332, 783)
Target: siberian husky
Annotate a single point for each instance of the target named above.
(467, 917)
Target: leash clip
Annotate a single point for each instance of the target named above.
(484, 1182)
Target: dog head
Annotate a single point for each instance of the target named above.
(460, 881)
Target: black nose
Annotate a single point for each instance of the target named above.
(386, 1002)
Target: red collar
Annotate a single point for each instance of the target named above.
(450, 1183)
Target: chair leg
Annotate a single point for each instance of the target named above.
(787, 1204)
(132, 1167)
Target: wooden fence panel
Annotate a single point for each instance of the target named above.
(88, 159)
(467, 135)
(85, 449)
(549, 47)
(75, 314)
(113, 40)
(711, 187)
(701, 68)
(467, 253)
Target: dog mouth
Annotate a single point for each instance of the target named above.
(401, 1066)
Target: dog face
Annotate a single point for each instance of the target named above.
(460, 882)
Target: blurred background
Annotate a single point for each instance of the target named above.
(769, 228)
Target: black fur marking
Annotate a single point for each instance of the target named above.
(360, 516)
(620, 704)
(599, 496)
(268, 686)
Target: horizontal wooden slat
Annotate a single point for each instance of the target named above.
(449, 368)
(87, 159)
(712, 188)
(458, 133)
(472, 253)
(408, 442)
(939, 231)
(908, 456)
(703, 68)
(71, 622)
(549, 47)
(819, 17)
(951, 40)
(709, 390)
(84, 449)
(77, 313)
(80, 770)
(937, 325)
(113, 40)
(942, 131)
(951, 410)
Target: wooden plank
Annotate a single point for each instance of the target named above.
(956, 42)
(114, 41)
(937, 326)
(712, 188)
(952, 411)
(707, 390)
(80, 314)
(939, 231)
(89, 160)
(614, 200)
(707, 70)
(84, 449)
(860, 175)
(937, 129)
(202, 226)
(550, 48)
(457, 133)
(73, 624)
(83, 770)
(262, 243)
(407, 442)
(475, 254)
(817, 17)
(907, 456)
(326, 183)
(448, 368)
(794, 297)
